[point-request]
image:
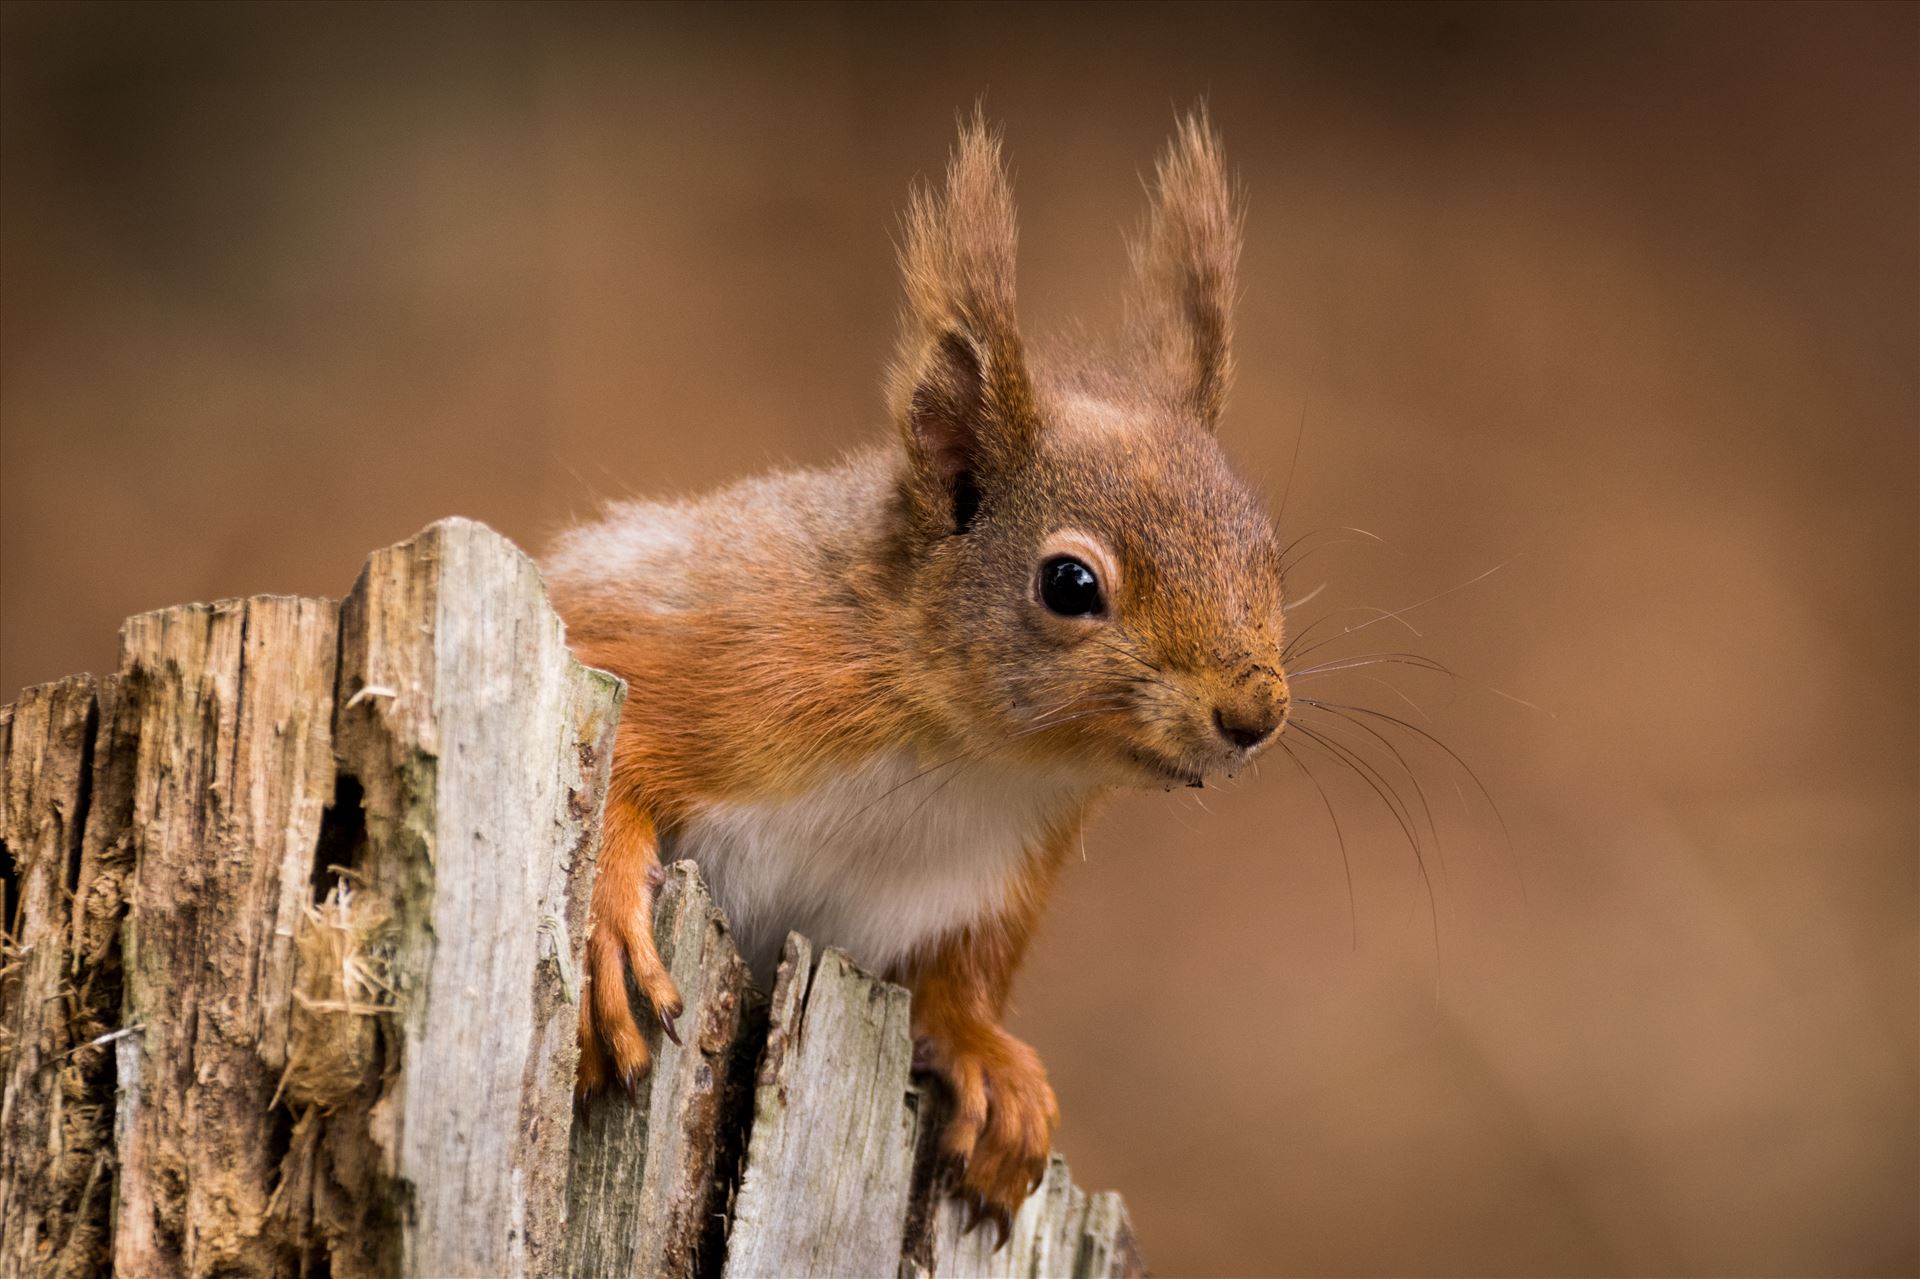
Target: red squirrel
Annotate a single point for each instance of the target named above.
(875, 701)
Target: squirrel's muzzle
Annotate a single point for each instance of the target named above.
(1248, 720)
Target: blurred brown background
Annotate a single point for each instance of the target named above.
(1624, 296)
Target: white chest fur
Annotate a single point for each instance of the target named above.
(881, 860)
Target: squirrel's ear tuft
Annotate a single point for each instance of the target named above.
(959, 384)
(1185, 258)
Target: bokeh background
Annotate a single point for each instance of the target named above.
(1620, 300)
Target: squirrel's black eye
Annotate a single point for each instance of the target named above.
(1070, 588)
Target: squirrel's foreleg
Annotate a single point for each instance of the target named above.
(621, 942)
(1001, 1131)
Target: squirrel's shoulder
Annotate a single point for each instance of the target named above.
(777, 526)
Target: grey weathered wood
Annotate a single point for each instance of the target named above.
(1107, 1244)
(1059, 1231)
(482, 750)
(829, 1163)
(234, 768)
(642, 1194)
(49, 1146)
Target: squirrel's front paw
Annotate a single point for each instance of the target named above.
(611, 1045)
(1002, 1127)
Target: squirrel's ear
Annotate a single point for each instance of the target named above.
(1180, 311)
(958, 385)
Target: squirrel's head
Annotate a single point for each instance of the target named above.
(1090, 585)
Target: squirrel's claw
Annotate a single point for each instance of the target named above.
(623, 973)
(980, 1211)
(994, 1152)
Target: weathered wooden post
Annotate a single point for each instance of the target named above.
(356, 848)
(58, 973)
(295, 905)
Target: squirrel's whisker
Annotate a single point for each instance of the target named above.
(1300, 637)
(1410, 727)
(1346, 863)
(1396, 690)
(1304, 600)
(1419, 791)
(1382, 788)
(1389, 794)
(1287, 551)
(1416, 660)
(1289, 562)
(1506, 833)
(1397, 614)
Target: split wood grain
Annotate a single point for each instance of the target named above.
(829, 1162)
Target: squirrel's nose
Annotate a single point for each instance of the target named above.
(1247, 726)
